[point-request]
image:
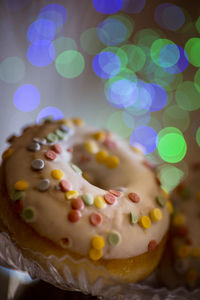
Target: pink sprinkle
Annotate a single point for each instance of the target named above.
(57, 148)
(77, 203)
(115, 193)
(70, 150)
(109, 198)
(74, 215)
(110, 144)
(96, 219)
(50, 154)
(65, 185)
(134, 197)
(152, 245)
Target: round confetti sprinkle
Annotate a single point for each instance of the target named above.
(156, 214)
(101, 156)
(37, 164)
(99, 202)
(74, 215)
(40, 141)
(112, 161)
(76, 169)
(152, 245)
(145, 222)
(33, 147)
(98, 242)
(134, 197)
(133, 218)
(50, 154)
(113, 238)
(65, 128)
(65, 186)
(52, 137)
(91, 147)
(26, 98)
(161, 200)
(71, 194)
(43, 185)
(16, 195)
(96, 219)
(60, 134)
(88, 199)
(109, 198)
(115, 193)
(57, 148)
(78, 122)
(57, 174)
(21, 185)
(95, 254)
(77, 203)
(29, 214)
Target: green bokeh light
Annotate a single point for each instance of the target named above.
(198, 136)
(70, 64)
(120, 53)
(136, 57)
(156, 47)
(192, 48)
(146, 37)
(127, 21)
(116, 124)
(90, 42)
(12, 69)
(197, 24)
(170, 176)
(197, 80)
(172, 146)
(176, 117)
(62, 44)
(187, 96)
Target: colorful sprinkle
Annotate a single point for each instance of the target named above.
(74, 215)
(99, 202)
(114, 238)
(71, 194)
(33, 147)
(57, 148)
(178, 219)
(77, 203)
(21, 185)
(88, 199)
(52, 137)
(50, 154)
(99, 135)
(98, 242)
(16, 195)
(101, 156)
(28, 214)
(43, 185)
(60, 134)
(95, 254)
(145, 222)
(115, 193)
(134, 197)
(133, 217)
(64, 128)
(137, 150)
(96, 219)
(7, 153)
(57, 174)
(112, 161)
(40, 141)
(37, 164)
(91, 147)
(76, 169)
(110, 144)
(161, 200)
(183, 251)
(65, 186)
(78, 122)
(170, 207)
(152, 245)
(156, 214)
(109, 198)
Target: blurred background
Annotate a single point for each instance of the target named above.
(131, 66)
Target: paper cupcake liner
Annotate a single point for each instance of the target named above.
(11, 256)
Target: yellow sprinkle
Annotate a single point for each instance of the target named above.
(99, 135)
(145, 222)
(112, 161)
(98, 242)
(101, 156)
(57, 174)
(195, 252)
(66, 122)
(78, 121)
(156, 214)
(21, 185)
(183, 251)
(71, 194)
(178, 219)
(7, 153)
(91, 147)
(192, 276)
(137, 150)
(99, 202)
(170, 207)
(95, 254)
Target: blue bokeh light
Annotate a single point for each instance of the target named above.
(158, 96)
(133, 6)
(107, 6)
(133, 121)
(145, 136)
(26, 98)
(106, 64)
(111, 32)
(168, 56)
(55, 13)
(41, 53)
(50, 111)
(41, 29)
(181, 64)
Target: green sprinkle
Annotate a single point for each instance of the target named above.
(28, 214)
(16, 195)
(133, 217)
(161, 200)
(88, 199)
(113, 238)
(51, 137)
(60, 134)
(76, 169)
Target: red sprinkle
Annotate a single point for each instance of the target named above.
(152, 245)
(57, 148)
(96, 219)
(109, 198)
(64, 185)
(134, 197)
(18, 206)
(74, 215)
(115, 193)
(70, 150)
(77, 203)
(84, 158)
(50, 154)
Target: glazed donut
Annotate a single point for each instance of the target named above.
(78, 194)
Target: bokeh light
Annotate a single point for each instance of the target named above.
(116, 124)
(16, 5)
(172, 146)
(26, 98)
(145, 136)
(62, 44)
(70, 64)
(158, 96)
(41, 53)
(133, 6)
(176, 117)
(41, 29)
(107, 7)
(50, 111)
(198, 136)
(146, 37)
(55, 13)
(192, 48)
(120, 53)
(134, 121)
(156, 48)
(12, 69)
(106, 64)
(181, 64)
(187, 96)
(170, 176)
(90, 42)
(127, 21)
(136, 57)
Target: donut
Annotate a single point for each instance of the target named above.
(181, 263)
(83, 199)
